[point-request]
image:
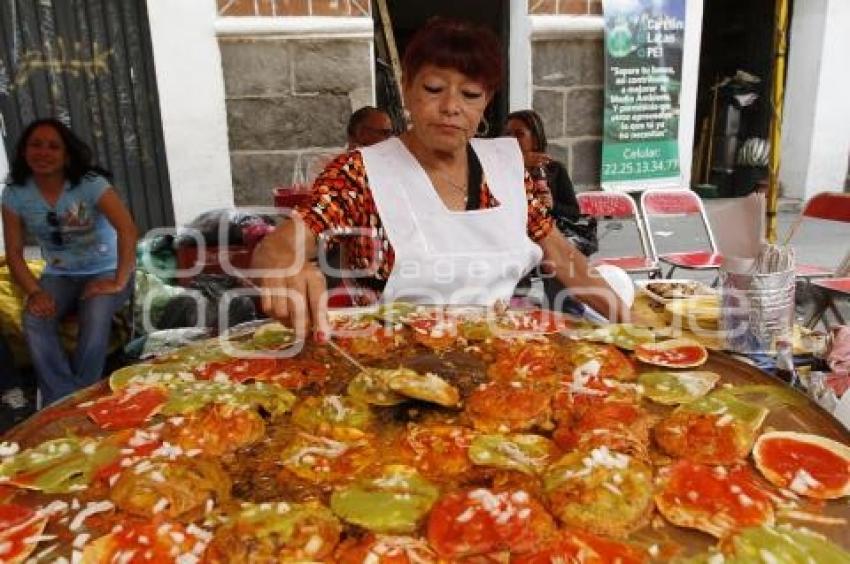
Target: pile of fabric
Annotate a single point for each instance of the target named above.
(831, 389)
(178, 301)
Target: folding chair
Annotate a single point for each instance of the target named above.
(833, 287)
(606, 206)
(837, 286)
(657, 203)
(829, 206)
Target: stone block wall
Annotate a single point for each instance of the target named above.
(288, 103)
(567, 90)
(568, 83)
(288, 99)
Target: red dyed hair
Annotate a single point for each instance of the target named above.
(465, 47)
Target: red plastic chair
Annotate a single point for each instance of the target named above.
(680, 203)
(829, 206)
(621, 207)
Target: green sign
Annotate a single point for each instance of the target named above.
(644, 42)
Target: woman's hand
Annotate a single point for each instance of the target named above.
(546, 199)
(41, 304)
(119, 217)
(300, 299)
(101, 286)
(292, 286)
(583, 283)
(532, 159)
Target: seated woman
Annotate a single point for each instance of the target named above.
(88, 240)
(434, 215)
(527, 127)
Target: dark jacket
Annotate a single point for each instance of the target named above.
(563, 195)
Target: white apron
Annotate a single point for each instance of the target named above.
(452, 257)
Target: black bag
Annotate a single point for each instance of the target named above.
(182, 311)
(580, 231)
(209, 226)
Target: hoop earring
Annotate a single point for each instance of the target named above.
(483, 132)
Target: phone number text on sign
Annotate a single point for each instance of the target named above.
(615, 169)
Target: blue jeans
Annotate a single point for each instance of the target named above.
(56, 374)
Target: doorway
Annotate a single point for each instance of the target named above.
(407, 17)
(736, 62)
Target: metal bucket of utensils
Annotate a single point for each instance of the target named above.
(756, 310)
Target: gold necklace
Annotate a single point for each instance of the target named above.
(462, 189)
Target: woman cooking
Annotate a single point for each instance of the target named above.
(434, 216)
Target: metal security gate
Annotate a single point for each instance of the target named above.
(90, 64)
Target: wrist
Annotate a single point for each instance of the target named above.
(29, 295)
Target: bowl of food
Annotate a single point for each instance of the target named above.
(665, 291)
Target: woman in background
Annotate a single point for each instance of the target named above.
(527, 127)
(88, 239)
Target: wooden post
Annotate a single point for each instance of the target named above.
(392, 48)
(780, 49)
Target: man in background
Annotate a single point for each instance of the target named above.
(368, 126)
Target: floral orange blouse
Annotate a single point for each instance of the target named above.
(342, 199)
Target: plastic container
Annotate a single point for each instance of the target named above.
(756, 310)
(291, 196)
